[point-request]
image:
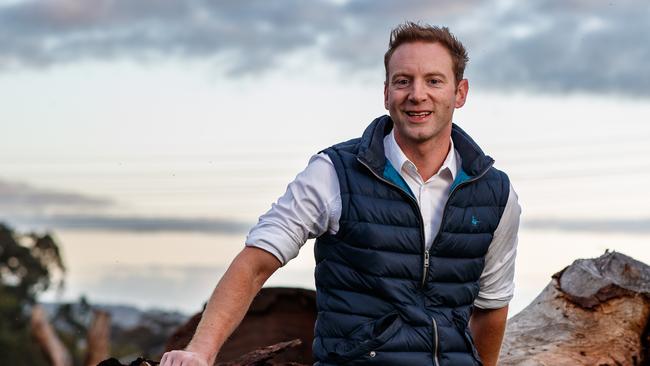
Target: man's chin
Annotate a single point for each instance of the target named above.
(418, 136)
(421, 135)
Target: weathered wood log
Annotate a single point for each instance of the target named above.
(276, 314)
(47, 339)
(137, 362)
(258, 357)
(99, 338)
(594, 312)
(261, 356)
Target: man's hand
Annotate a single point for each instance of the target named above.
(184, 358)
(488, 326)
(226, 307)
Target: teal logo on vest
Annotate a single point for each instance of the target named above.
(475, 221)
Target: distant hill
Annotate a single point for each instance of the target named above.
(122, 315)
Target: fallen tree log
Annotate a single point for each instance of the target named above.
(276, 315)
(99, 338)
(262, 356)
(258, 357)
(137, 362)
(47, 339)
(593, 312)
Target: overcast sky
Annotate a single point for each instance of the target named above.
(105, 99)
(557, 45)
(154, 133)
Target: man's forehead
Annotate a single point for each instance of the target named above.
(433, 57)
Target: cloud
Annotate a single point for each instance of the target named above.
(254, 33)
(565, 46)
(624, 226)
(26, 207)
(550, 46)
(20, 198)
(127, 223)
(146, 285)
(149, 286)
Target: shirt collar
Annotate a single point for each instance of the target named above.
(398, 159)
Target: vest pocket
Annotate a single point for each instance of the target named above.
(365, 339)
(470, 345)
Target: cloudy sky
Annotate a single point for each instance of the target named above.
(130, 123)
(557, 45)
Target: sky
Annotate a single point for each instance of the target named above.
(148, 136)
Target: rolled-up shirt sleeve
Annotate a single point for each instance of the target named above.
(305, 211)
(497, 280)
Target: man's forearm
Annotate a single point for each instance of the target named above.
(230, 300)
(488, 326)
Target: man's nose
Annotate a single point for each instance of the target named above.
(417, 93)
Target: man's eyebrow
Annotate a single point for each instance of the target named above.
(428, 75)
(438, 74)
(400, 74)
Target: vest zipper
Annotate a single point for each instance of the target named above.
(444, 215)
(435, 340)
(414, 204)
(425, 264)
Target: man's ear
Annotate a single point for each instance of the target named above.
(461, 93)
(386, 95)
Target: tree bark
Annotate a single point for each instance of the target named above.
(47, 339)
(594, 312)
(99, 337)
(261, 356)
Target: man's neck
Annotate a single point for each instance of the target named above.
(428, 156)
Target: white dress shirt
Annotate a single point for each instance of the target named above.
(311, 206)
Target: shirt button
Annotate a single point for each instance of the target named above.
(372, 354)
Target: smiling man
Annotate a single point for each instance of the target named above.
(416, 230)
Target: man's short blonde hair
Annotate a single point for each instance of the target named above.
(413, 32)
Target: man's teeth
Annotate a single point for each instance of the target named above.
(418, 114)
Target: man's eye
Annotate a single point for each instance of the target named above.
(434, 81)
(401, 82)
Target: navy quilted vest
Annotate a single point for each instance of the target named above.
(382, 298)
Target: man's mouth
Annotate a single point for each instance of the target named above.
(418, 114)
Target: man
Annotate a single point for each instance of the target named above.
(416, 230)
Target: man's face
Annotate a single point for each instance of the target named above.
(421, 92)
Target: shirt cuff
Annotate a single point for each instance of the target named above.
(275, 240)
(483, 303)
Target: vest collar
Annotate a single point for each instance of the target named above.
(371, 148)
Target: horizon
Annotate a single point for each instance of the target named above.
(149, 138)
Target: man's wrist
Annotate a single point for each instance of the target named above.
(203, 350)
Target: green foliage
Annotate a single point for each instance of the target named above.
(16, 343)
(28, 263)
(20, 350)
